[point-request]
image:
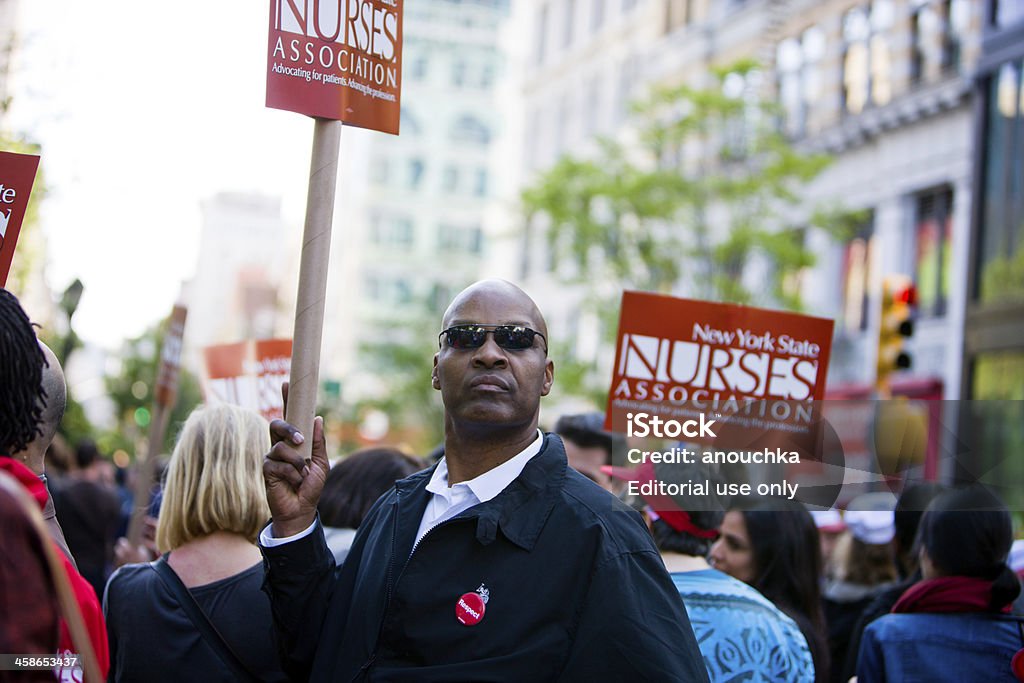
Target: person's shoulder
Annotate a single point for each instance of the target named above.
(590, 507)
(712, 585)
(131, 578)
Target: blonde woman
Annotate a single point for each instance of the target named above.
(198, 613)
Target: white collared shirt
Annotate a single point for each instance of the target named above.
(449, 501)
(446, 501)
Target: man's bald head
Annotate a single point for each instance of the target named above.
(56, 397)
(515, 299)
(51, 411)
(490, 389)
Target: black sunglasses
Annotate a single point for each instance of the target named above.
(510, 337)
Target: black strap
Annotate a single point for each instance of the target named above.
(202, 622)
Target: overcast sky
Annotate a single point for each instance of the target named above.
(143, 109)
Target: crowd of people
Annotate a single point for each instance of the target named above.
(510, 554)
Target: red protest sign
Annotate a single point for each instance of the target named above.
(17, 173)
(249, 374)
(756, 372)
(337, 59)
(170, 359)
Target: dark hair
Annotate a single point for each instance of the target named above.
(586, 430)
(907, 518)
(86, 453)
(787, 558)
(21, 377)
(355, 484)
(669, 540)
(968, 532)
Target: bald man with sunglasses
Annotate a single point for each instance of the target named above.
(500, 563)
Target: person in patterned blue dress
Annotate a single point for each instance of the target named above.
(741, 634)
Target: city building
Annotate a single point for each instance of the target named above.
(245, 275)
(886, 87)
(412, 219)
(992, 412)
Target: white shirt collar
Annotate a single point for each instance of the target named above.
(492, 482)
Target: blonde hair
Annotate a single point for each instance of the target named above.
(864, 563)
(215, 478)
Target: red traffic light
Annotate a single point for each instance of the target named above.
(906, 294)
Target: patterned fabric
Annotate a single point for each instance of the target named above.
(741, 634)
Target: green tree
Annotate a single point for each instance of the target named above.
(707, 187)
(704, 188)
(131, 390)
(403, 360)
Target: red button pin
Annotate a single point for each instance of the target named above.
(469, 610)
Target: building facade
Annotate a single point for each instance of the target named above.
(411, 229)
(886, 87)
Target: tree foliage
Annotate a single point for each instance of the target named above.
(403, 361)
(706, 188)
(131, 390)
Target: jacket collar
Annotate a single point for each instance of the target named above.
(519, 511)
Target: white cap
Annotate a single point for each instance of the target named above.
(1016, 559)
(874, 527)
(829, 521)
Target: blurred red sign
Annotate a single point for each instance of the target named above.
(758, 373)
(337, 59)
(170, 358)
(249, 374)
(17, 174)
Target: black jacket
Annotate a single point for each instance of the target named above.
(577, 591)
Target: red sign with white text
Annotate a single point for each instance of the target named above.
(249, 374)
(337, 59)
(17, 173)
(758, 373)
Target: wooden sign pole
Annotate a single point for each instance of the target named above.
(165, 393)
(309, 305)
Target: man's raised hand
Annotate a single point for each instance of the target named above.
(293, 485)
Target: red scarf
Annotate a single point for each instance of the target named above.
(948, 594)
(92, 613)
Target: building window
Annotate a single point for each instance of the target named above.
(542, 30)
(740, 128)
(383, 289)
(480, 184)
(379, 169)
(866, 59)
(677, 14)
(858, 267)
(418, 68)
(391, 231)
(409, 123)
(459, 73)
(1001, 267)
(933, 236)
(570, 23)
(596, 15)
(450, 179)
(1008, 12)
(468, 128)
(457, 238)
(592, 107)
(937, 29)
(416, 168)
(798, 64)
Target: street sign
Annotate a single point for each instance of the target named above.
(17, 174)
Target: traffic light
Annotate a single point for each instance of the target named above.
(896, 326)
